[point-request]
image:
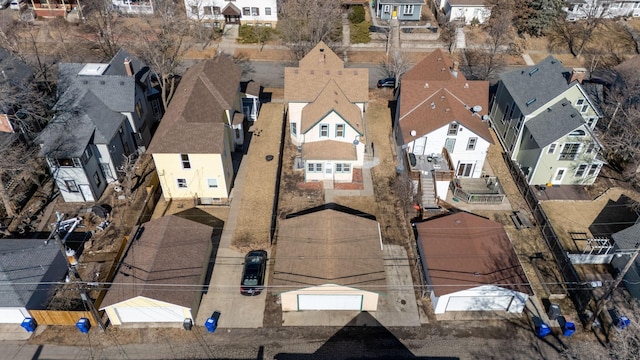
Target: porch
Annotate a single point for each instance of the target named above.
(53, 8)
(485, 190)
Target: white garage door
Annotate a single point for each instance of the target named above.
(478, 303)
(329, 302)
(150, 314)
(12, 316)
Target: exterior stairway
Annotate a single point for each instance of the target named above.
(428, 187)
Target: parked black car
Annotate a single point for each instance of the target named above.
(388, 82)
(255, 266)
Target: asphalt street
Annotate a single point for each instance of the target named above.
(301, 343)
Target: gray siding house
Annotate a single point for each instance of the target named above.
(544, 119)
(104, 112)
(404, 9)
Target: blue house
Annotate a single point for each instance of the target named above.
(404, 10)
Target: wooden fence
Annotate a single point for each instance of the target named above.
(60, 317)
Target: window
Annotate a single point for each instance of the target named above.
(97, 179)
(407, 10)
(506, 114)
(453, 128)
(86, 155)
(186, 164)
(581, 169)
(207, 10)
(182, 183)
(216, 10)
(559, 175)
(590, 148)
(552, 148)
(449, 144)
(590, 121)
(71, 186)
(255, 11)
(106, 170)
(314, 167)
(387, 9)
(67, 162)
(340, 130)
(582, 105)
(324, 130)
(569, 151)
(465, 169)
(519, 124)
(294, 129)
(577, 133)
(267, 11)
(246, 11)
(593, 169)
(471, 145)
(212, 183)
(194, 11)
(343, 168)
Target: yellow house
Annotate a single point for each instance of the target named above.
(203, 125)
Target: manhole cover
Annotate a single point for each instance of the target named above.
(269, 157)
(403, 302)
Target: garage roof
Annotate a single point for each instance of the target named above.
(462, 251)
(329, 244)
(170, 251)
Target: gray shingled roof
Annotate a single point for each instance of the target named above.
(14, 70)
(71, 131)
(23, 264)
(544, 84)
(628, 238)
(557, 121)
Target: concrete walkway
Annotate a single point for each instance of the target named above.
(229, 35)
(527, 59)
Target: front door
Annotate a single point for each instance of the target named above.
(328, 170)
(232, 19)
(557, 178)
(465, 169)
(419, 145)
(450, 144)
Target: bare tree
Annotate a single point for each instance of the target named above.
(17, 163)
(128, 170)
(303, 23)
(406, 193)
(105, 23)
(395, 65)
(576, 35)
(164, 41)
(448, 35)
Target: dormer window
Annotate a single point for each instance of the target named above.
(577, 133)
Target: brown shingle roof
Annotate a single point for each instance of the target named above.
(171, 250)
(430, 88)
(329, 150)
(463, 250)
(304, 83)
(331, 98)
(198, 107)
(328, 246)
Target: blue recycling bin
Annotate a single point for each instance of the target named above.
(543, 330)
(568, 328)
(29, 324)
(623, 322)
(212, 323)
(83, 325)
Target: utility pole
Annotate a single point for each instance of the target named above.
(605, 299)
(74, 276)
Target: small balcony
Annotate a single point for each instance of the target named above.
(485, 190)
(439, 165)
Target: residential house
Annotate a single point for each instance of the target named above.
(470, 264)
(140, 7)
(218, 13)
(68, 9)
(466, 11)
(583, 9)
(203, 125)
(251, 92)
(403, 10)
(104, 112)
(15, 83)
(28, 271)
(329, 258)
(625, 244)
(544, 120)
(165, 253)
(441, 115)
(326, 114)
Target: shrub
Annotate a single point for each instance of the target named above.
(356, 16)
(253, 34)
(360, 33)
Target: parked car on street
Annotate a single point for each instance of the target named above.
(388, 82)
(255, 266)
(17, 5)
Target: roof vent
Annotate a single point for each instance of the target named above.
(531, 101)
(426, 85)
(413, 133)
(533, 71)
(466, 85)
(433, 105)
(477, 108)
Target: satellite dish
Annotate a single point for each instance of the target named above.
(477, 108)
(413, 133)
(485, 117)
(356, 142)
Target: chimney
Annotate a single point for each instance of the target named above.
(322, 56)
(128, 67)
(577, 74)
(455, 66)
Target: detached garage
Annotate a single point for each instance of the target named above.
(163, 254)
(24, 262)
(329, 258)
(470, 265)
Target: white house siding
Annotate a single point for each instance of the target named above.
(84, 191)
(335, 176)
(203, 167)
(130, 7)
(218, 20)
(615, 9)
(481, 298)
(436, 140)
(468, 13)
